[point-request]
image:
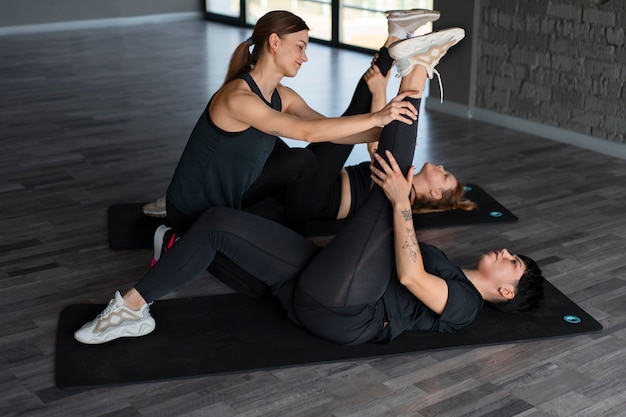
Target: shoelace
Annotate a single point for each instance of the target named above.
(112, 306)
(440, 83)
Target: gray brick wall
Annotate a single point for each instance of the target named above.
(561, 63)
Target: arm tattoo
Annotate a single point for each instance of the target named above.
(407, 215)
(410, 244)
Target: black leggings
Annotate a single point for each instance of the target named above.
(332, 157)
(334, 292)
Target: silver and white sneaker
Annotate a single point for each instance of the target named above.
(403, 23)
(116, 321)
(426, 51)
(156, 208)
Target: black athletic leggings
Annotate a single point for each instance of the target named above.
(334, 292)
(331, 157)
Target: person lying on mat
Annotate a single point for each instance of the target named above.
(339, 190)
(232, 141)
(372, 282)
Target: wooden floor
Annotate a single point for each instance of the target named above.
(94, 117)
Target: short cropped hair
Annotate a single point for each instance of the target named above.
(529, 291)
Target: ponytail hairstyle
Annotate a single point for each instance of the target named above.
(450, 200)
(280, 22)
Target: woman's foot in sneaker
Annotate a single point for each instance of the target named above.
(403, 23)
(156, 208)
(115, 321)
(424, 50)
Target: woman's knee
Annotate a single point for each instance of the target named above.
(216, 218)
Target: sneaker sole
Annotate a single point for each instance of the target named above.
(400, 15)
(137, 330)
(159, 214)
(406, 48)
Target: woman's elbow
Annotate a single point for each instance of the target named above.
(310, 136)
(407, 279)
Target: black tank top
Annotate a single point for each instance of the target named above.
(217, 166)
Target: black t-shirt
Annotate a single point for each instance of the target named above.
(407, 312)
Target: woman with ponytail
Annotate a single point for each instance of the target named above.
(230, 146)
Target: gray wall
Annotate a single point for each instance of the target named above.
(34, 12)
(455, 68)
(555, 68)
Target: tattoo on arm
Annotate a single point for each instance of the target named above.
(407, 215)
(410, 244)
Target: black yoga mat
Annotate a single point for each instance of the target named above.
(233, 333)
(129, 228)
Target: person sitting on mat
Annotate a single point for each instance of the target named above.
(288, 171)
(372, 282)
(232, 141)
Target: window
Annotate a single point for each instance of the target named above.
(356, 23)
(223, 7)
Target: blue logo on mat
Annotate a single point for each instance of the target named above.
(467, 188)
(495, 213)
(572, 319)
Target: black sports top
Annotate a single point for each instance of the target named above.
(327, 206)
(360, 184)
(216, 166)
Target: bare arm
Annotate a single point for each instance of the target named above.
(298, 121)
(377, 84)
(299, 108)
(430, 289)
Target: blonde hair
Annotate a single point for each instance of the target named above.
(280, 22)
(450, 200)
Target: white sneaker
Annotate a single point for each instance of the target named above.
(403, 23)
(425, 50)
(156, 208)
(160, 245)
(116, 321)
